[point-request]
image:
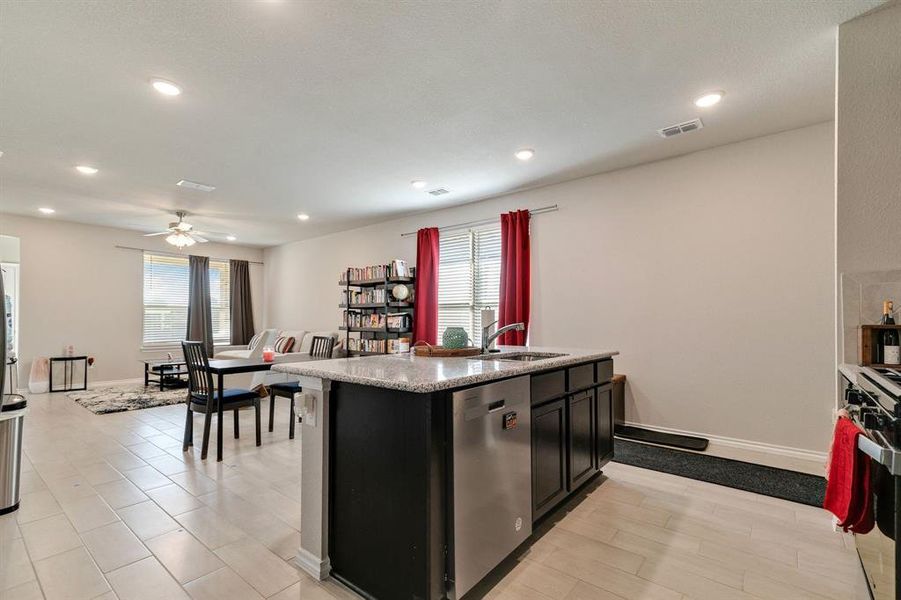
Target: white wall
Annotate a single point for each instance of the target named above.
(9, 249)
(868, 156)
(78, 288)
(712, 273)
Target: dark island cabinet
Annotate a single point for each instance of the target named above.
(604, 424)
(549, 479)
(581, 438)
(572, 431)
(388, 482)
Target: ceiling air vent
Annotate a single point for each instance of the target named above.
(439, 192)
(685, 127)
(193, 185)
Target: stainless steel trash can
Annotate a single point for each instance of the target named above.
(12, 419)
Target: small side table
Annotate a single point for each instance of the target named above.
(69, 373)
(167, 373)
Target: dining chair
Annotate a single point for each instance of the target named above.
(321, 347)
(204, 398)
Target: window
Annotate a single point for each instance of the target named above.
(166, 299)
(469, 276)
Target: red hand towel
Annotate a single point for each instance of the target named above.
(865, 518)
(848, 488)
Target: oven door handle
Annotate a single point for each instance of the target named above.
(881, 451)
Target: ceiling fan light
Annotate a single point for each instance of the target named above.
(180, 240)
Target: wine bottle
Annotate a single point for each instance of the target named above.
(891, 351)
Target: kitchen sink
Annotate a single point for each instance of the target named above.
(518, 356)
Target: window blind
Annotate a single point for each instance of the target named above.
(219, 301)
(468, 278)
(166, 299)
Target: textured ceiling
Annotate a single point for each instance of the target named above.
(332, 108)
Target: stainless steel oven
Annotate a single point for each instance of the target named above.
(873, 400)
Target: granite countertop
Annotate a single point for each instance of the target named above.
(423, 374)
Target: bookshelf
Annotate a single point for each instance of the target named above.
(373, 321)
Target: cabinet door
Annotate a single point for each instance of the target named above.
(548, 456)
(581, 438)
(604, 425)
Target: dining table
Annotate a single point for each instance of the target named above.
(220, 367)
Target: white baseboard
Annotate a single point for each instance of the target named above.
(95, 384)
(776, 451)
(308, 562)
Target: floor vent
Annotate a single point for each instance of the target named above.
(685, 127)
(439, 192)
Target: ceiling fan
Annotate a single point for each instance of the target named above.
(180, 234)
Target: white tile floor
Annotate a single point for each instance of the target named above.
(112, 508)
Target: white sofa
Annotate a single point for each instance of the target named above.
(303, 340)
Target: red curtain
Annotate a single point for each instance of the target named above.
(516, 289)
(425, 311)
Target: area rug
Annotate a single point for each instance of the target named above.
(121, 398)
(760, 479)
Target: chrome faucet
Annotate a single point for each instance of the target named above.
(487, 339)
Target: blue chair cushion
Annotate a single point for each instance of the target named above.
(286, 386)
(229, 395)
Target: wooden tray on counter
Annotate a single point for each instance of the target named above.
(426, 349)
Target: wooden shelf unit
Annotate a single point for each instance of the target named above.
(869, 344)
(389, 306)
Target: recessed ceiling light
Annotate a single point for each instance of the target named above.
(47, 211)
(709, 99)
(303, 217)
(524, 154)
(166, 88)
(86, 170)
(231, 238)
(418, 184)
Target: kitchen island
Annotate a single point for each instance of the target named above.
(419, 475)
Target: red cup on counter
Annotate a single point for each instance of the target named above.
(268, 355)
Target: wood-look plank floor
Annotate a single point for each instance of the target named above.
(636, 534)
(112, 508)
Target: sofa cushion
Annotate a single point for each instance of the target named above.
(307, 342)
(234, 354)
(297, 334)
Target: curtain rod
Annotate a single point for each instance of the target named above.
(534, 211)
(253, 262)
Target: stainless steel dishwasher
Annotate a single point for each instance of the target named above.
(492, 486)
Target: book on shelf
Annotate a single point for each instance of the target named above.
(397, 268)
(393, 346)
(366, 296)
(377, 320)
(352, 297)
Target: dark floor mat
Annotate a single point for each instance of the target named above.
(760, 479)
(638, 434)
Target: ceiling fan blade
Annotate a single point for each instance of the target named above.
(197, 238)
(157, 233)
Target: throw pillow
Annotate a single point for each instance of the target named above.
(283, 345)
(254, 341)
